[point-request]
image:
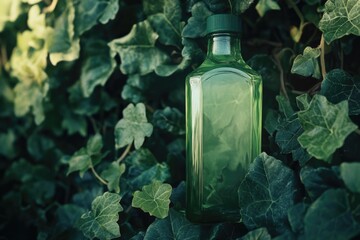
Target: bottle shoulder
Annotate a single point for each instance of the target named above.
(209, 67)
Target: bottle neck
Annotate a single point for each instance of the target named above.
(224, 47)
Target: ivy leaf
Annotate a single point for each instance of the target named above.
(170, 120)
(74, 123)
(112, 175)
(350, 174)
(30, 96)
(137, 50)
(97, 67)
(63, 44)
(89, 13)
(330, 217)
(166, 21)
(307, 64)
(64, 32)
(143, 168)
(266, 5)
(196, 25)
(7, 148)
(296, 217)
(257, 234)
(154, 199)
(339, 85)
(101, 221)
(174, 226)
(318, 180)
(303, 101)
(266, 194)
(341, 18)
(285, 106)
(241, 6)
(286, 137)
(133, 127)
(329, 123)
(86, 157)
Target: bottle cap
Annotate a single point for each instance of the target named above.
(223, 23)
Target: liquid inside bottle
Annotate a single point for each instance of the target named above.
(223, 130)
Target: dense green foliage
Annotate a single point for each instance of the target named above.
(92, 118)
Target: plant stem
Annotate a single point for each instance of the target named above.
(124, 154)
(322, 56)
(231, 7)
(97, 175)
(282, 78)
(51, 7)
(93, 123)
(297, 11)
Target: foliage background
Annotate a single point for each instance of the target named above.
(92, 111)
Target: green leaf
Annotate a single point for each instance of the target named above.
(330, 217)
(174, 226)
(307, 64)
(67, 215)
(339, 85)
(329, 123)
(170, 120)
(112, 175)
(94, 145)
(266, 194)
(7, 148)
(196, 25)
(153, 199)
(63, 44)
(30, 96)
(350, 174)
(296, 217)
(143, 168)
(341, 18)
(272, 121)
(287, 139)
(80, 161)
(133, 127)
(86, 157)
(303, 101)
(101, 221)
(240, 6)
(137, 50)
(266, 5)
(258, 234)
(81, 105)
(97, 67)
(38, 145)
(285, 106)
(74, 123)
(64, 32)
(90, 12)
(319, 180)
(165, 19)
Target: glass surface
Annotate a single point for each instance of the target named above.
(223, 130)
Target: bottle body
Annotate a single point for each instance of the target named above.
(223, 135)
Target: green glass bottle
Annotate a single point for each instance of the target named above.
(223, 125)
